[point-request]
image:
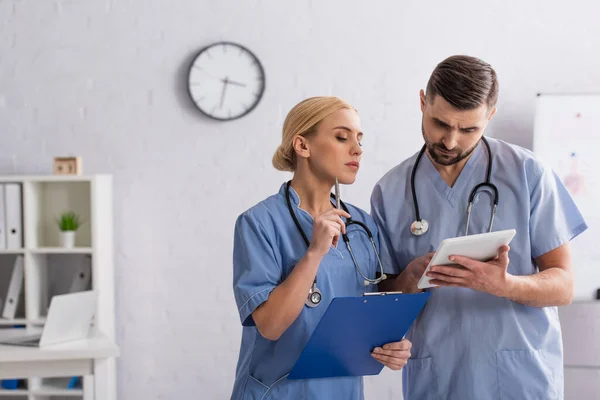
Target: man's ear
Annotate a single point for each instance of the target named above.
(492, 113)
(301, 146)
(423, 100)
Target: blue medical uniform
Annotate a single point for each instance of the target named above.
(468, 344)
(267, 246)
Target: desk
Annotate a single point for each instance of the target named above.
(61, 360)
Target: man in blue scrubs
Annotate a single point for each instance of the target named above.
(489, 330)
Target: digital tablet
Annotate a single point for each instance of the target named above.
(481, 247)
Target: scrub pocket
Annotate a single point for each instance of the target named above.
(282, 388)
(526, 374)
(421, 379)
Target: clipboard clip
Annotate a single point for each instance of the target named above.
(380, 293)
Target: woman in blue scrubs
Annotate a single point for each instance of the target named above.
(275, 266)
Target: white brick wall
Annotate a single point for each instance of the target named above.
(105, 80)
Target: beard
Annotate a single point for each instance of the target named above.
(444, 156)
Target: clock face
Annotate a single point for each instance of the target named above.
(226, 81)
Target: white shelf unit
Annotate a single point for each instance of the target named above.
(46, 264)
(48, 389)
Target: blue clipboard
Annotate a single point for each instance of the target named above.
(351, 328)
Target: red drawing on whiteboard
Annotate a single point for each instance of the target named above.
(574, 180)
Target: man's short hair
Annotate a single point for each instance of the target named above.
(465, 82)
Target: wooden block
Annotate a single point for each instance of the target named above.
(67, 166)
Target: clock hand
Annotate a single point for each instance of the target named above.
(237, 83)
(225, 81)
(209, 74)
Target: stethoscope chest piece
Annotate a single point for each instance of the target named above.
(314, 297)
(419, 227)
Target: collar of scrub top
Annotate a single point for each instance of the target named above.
(421, 226)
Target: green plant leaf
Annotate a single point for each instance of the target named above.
(69, 221)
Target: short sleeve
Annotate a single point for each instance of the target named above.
(256, 271)
(555, 218)
(390, 266)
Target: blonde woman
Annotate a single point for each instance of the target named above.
(288, 264)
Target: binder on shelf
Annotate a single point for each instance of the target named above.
(2, 219)
(9, 384)
(75, 383)
(13, 215)
(14, 289)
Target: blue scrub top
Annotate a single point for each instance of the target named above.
(468, 344)
(267, 246)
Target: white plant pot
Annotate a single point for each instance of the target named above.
(67, 239)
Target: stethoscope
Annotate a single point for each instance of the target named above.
(420, 226)
(314, 294)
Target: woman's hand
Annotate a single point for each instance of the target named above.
(393, 355)
(327, 228)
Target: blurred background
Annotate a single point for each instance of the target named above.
(107, 80)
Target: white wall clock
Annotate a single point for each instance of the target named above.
(226, 81)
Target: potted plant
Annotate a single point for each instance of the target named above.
(68, 223)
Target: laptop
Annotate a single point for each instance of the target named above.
(69, 318)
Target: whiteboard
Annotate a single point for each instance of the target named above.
(567, 137)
